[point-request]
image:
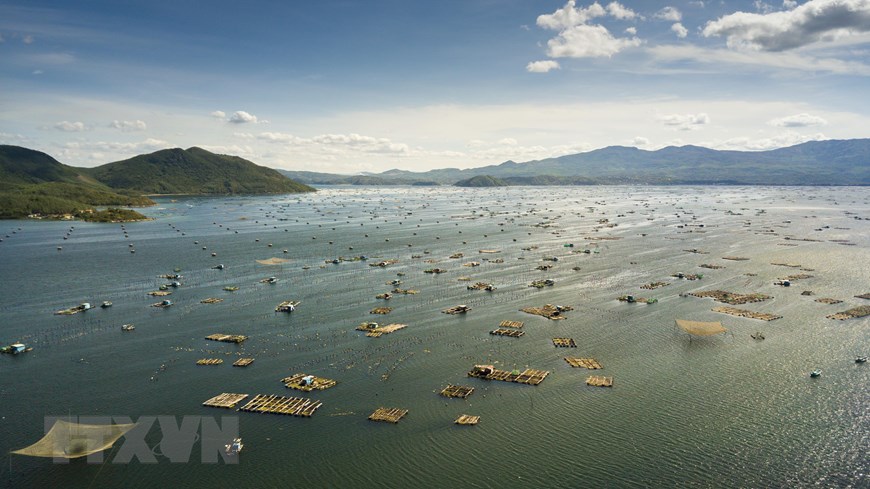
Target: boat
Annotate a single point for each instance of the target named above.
(816, 373)
(757, 335)
(218, 267)
(861, 360)
(84, 306)
(15, 348)
(287, 306)
(127, 327)
(235, 447)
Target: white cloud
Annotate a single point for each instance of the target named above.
(684, 122)
(568, 16)
(542, 66)
(639, 141)
(129, 126)
(789, 4)
(788, 138)
(679, 30)
(697, 3)
(28, 39)
(588, 41)
(631, 30)
(219, 114)
(670, 14)
(67, 126)
(620, 11)
(798, 120)
(809, 23)
(242, 117)
(37, 72)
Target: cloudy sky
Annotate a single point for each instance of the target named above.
(352, 86)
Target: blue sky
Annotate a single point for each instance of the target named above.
(349, 87)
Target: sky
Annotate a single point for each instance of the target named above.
(353, 86)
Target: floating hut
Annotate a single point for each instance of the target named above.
(84, 306)
(481, 286)
(548, 311)
(528, 376)
(540, 284)
(373, 330)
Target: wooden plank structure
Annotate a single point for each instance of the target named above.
(457, 391)
(296, 381)
(405, 291)
(828, 300)
(735, 258)
(373, 330)
(528, 376)
(588, 363)
(460, 309)
(599, 381)
(211, 300)
(243, 362)
(856, 312)
(467, 420)
(209, 361)
(510, 324)
(654, 285)
(287, 306)
(160, 293)
(481, 286)
(564, 343)
(227, 338)
(548, 311)
(513, 333)
(225, 400)
(381, 310)
(390, 415)
(294, 406)
(743, 313)
(711, 266)
(730, 297)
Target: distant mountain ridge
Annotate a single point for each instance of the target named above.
(831, 162)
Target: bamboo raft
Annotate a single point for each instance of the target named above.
(383, 263)
(287, 306)
(743, 313)
(405, 291)
(711, 266)
(209, 361)
(457, 391)
(540, 284)
(548, 311)
(735, 258)
(654, 285)
(231, 288)
(295, 406)
(513, 333)
(633, 300)
(467, 420)
(828, 300)
(730, 297)
(211, 300)
(688, 276)
(319, 383)
(511, 324)
(381, 310)
(390, 415)
(160, 293)
(599, 381)
(587, 363)
(488, 251)
(856, 312)
(243, 362)
(480, 286)
(460, 309)
(790, 265)
(457, 255)
(385, 296)
(528, 376)
(863, 296)
(435, 270)
(564, 343)
(373, 330)
(226, 400)
(471, 264)
(226, 338)
(798, 276)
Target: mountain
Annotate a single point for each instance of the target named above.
(194, 171)
(32, 182)
(832, 162)
(482, 181)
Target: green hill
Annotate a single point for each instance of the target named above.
(482, 181)
(194, 171)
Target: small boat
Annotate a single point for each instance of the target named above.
(106, 304)
(218, 267)
(861, 360)
(816, 373)
(15, 348)
(757, 335)
(127, 327)
(235, 447)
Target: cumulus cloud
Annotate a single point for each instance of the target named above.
(568, 16)
(67, 126)
(798, 120)
(639, 141)
(670, 14)
(219, 114)
(679, 30)
(339, 144)
(542, 66)
(242, 117)
(788, 138)
(809, 23)
(684, 122)
(129, 126)
(631, 30)
(789, 4)
(579, 39)
(620, 11)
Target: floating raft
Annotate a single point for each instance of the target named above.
(211, 300)
(588, 363)
(231, 288)
(633, 300)
(688, 276)
(711, 266)
(296, 382)
(857, 312)
(798, 276)
(863, 296)
(460, 309)
(730, 297)
(828, 300)
(480, 286)
(654, 285)
(564, 343)
(227, 338)
(489, 251)
(287, 306)
(511, 324)
(457, 391)
(697, 251)
(295, 406)
(471, 264)
(735, 258)
(73, 310)
(225, 400)
(381, 310)
(548, 311)
(599, 381)
(373, 330)
(435, 270)
(390, 415)
(540, 284)
(513, 333)
(743, 313)
(457, 255)
(209, 361)
(790, 265)
(528, 376)
(467, 420)
(243, 362)
(405, 291)
(160, 293)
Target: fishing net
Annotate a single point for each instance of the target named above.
(74, 440)
(700, 328)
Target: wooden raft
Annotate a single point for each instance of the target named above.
(588, 363)
(381, 310)
(730, 297)
(599, 381)
(374, 331)
(226, 400)
(226, 338)
(863, 296)
(243, 362)
(735, 258)
(856, 312)
(457, 391)
(319, 383)
(209, 361)
(711, 266)
(405, 291)
(528, 376)
(654, 285)
(513, 333)
(828, 300)
(160, 293)
(564, 343)
(295, 406)
(467, 420)
(511, 324)
(211, 300)
(548, 311)
(460, 309)
(390, 415)
(743, 313)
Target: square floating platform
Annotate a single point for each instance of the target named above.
(389, 415)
